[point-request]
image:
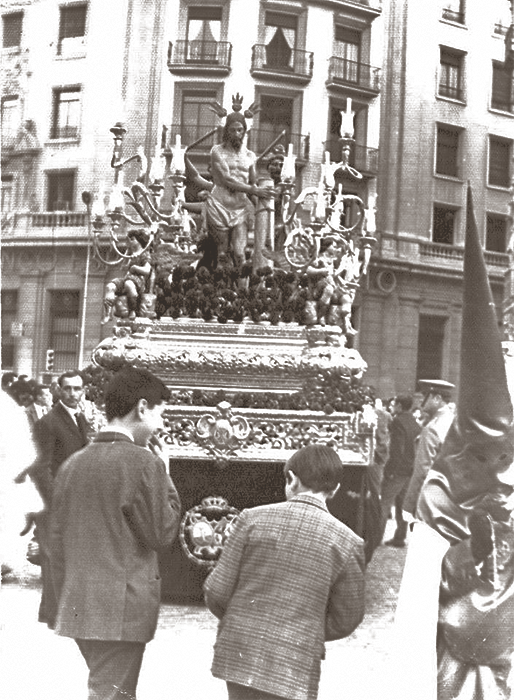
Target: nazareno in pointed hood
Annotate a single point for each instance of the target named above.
(479, 447)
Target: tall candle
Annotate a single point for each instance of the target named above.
(347, 120)
(289, 167)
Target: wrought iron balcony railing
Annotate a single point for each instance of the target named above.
(453, 15)
(199, 53)
(293, 62)
(260, 139)
(361, 75)
(362, 158)
(190, 133)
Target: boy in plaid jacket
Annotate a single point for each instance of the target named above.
(291, 577)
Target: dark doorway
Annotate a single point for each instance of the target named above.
(430, 347)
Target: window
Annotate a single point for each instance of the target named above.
(347, 46)
(453, 11)
(9, 316)
(280, 39)
(499, 161)
(72, 25)
(61, 190)
(496, 234)
(447, 151)
(64, 329)
(430, 346)
(7, 193)
(443, 224)
(276, 114)
(197, 117)
(502, 91)
(66, 118)
(10, 120)
(12, 26)
(203, 33)
(450, 78)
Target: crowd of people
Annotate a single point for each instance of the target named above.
(413, 428)
(291, 575)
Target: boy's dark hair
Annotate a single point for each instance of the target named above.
(69, 374)
(405, 401)
(140, 235)
(317, 466)
(128, 386)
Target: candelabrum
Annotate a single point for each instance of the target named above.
(335, 216)
(154, 201)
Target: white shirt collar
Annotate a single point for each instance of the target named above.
(72, 411)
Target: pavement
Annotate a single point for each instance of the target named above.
(39, 665)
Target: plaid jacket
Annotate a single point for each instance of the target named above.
(290, 577)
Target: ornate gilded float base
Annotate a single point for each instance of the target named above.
(251, 358)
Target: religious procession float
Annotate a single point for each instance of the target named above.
(249, 323)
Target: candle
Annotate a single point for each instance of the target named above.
(289, 167)
(143, 163)
(178, 164)
(327, 171)
(320, 210)
(98, 208)
(178, 142)
(116, 199)
(347, 120)
(158, 165)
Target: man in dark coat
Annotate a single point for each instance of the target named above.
(404, 430)
(114, 507)
(58, 434)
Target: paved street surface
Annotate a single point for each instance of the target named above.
(39, 665)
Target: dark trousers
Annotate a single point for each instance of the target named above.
(113, 668)
(244, 692)
(48, 605)
(394, 488)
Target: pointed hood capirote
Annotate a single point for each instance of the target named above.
(480, 444)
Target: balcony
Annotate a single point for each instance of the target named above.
(453, 16)
(188, 57)
(58, 219)
(362, 158)
(291, 65)
(260, 139)
(439, 256)
(353, 76)
(43, 227)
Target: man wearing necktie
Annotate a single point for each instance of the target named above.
(58, 434)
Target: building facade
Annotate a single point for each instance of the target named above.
(432, 103)
(447, 118)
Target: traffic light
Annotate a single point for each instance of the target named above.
(49, 360)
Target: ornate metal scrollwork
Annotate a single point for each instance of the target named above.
(224, 434)
(205, 528)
